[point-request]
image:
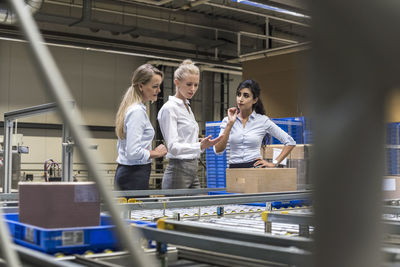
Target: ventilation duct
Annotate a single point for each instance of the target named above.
(7, 16)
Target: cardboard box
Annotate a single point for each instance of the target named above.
(391, 187)
(300, 151)
(59, 204)
(256, 180)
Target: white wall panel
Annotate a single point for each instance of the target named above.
(69, 62)
(5, 57)
(24, 89)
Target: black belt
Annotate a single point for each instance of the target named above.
(242, 165)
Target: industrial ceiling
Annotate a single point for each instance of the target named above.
(218, 32)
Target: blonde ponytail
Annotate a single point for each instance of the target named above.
(133, 95)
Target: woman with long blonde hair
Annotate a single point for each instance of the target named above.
(181, 131)
(135, 132)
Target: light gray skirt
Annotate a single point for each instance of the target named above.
(180, 174)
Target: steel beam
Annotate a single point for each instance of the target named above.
(166, 192)
(36, 258)
(266, 239)
(291, 255)
(31, 111)
(303, 219)
(8, 196)
(215, 200)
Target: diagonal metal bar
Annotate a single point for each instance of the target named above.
(57, 87)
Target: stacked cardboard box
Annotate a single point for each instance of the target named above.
(59, 204)
(391, 187)
(299, 158)
(255, 180)
(300, 151)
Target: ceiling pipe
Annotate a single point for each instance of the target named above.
(257, 14)
(150, 2)
(193, 4)
(300, 46)
(86, 12)
(167, 61)
(266, 37)
(219, 70)
(202, 67)
(207, 2)
(7, 16)
(272, 52)
(256, 36)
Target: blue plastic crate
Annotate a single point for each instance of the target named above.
(216, 164)
(274, 204)
(293, 126)
(393, 133)
(76, 240)
(393, 161)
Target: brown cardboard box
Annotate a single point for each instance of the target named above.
(298, 158)
(391, 187)
(59, 204)
(255, 180)
(299, 151)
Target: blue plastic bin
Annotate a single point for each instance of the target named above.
(216, 164)
(75, 240)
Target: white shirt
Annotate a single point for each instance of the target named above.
(135, 148)
(245, 142)
(180, 129)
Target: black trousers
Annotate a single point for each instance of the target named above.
(132, 177)
(242, 165)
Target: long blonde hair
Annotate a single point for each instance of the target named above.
(133, 95)
(185, 68)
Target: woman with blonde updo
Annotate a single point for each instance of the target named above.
(181, 131)
(135, 132)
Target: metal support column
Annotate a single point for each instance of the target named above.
(8, 125)
(267, 33)
(354, 63)
(67, 155)
(238, 45)
(216, 49)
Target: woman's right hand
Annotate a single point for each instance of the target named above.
(232, 115)
(208, 142)
(161, 150)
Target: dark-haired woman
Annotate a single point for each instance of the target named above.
(245, 128)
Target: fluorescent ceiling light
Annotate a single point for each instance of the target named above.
(272, 8)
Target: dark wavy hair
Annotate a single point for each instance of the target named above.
(257, 107)
(255, 90)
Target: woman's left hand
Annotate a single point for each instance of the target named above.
(260, 163)
(208, 142)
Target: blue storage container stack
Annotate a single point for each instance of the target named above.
(216, 164)
(307, 133)
(393, 148)
(293, 126)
